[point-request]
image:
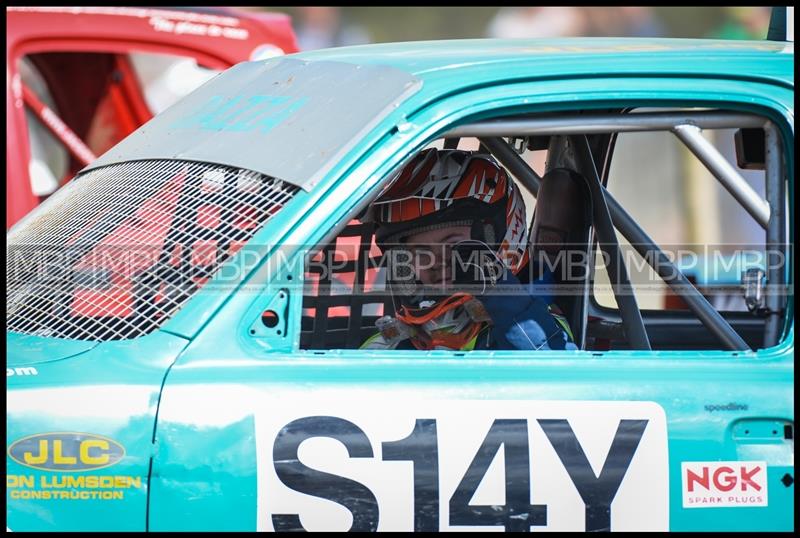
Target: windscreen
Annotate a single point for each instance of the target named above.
(120, 249)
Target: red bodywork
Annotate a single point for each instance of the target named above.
(103, 101)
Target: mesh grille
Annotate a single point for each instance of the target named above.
(120, 249)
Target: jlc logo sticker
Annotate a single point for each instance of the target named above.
(724, 484)
(66, 451)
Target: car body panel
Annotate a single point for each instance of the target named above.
(32, 26)
(39, 349)
(231, 393)
(112, 391)
(505, 60)
(434, 378)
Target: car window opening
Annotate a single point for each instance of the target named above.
(341, 306)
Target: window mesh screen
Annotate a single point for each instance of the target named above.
(115, 253)
(344, 293)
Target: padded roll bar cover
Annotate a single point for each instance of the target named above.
(560, 210)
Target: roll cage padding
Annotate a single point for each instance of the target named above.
(608, 243)
(561, 226)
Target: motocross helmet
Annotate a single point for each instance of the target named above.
(442, 188)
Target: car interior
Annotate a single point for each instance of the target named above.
(573, 211)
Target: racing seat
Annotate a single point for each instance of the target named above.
(560, 243)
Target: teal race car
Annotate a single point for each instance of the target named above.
(186, 318)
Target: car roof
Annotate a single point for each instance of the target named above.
(238, 33)
(498, 59)
(371, 82)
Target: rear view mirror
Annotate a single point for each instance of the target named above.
(750, 148)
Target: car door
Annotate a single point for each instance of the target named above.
(271, 422)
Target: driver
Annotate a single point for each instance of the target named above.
(453, 230)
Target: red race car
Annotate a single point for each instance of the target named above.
(80, 79)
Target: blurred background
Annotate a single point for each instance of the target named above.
(324, 26)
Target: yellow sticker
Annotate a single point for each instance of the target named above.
(66, 451)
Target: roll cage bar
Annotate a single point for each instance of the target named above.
(608, 213)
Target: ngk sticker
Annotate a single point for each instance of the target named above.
(724, 484)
